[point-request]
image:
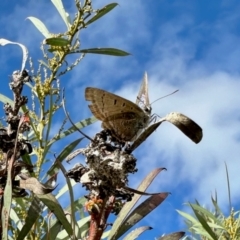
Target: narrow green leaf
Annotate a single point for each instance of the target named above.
(59, 6)
(57, 41)
(204, 224)
(137, 232)
(105, 51)
(51, 202)
(129, 205)
(5, 99)
(229, 189)
(140, 212)
(65, 189)
(80, 124)
(7, 201)
(101, 12)
(63, 235)
(105, 234)
(71, 195)
(189, 217)
(16, 219)
(56, 224)
(54, 168)
(33, 213)
(40, 26)
(205, 212)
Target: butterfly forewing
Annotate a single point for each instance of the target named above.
(108, 104)
(143, 97)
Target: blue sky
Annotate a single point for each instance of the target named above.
(188, 45)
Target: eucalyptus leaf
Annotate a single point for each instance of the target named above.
(40, 26)
(101, 12)
(59, 6)
(65, 152)
(51, 202)
(33, 213)
(105, 51)
(57, 41)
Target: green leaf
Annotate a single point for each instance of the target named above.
(80, 124)
(189, 217)
(129, 205)
(65, 189)
(57, 41)
(7, 200)
(16, 219)
(51, 202)
(204, 224)
(137, 232)
(40, 26)
(5, 99)
(83, 222)
(105, 51)
(101, 12)
(54, 168)
(140, 212)
(71, 195)
(206, 213)
(56, 225)
(32, 216)
(59, 6)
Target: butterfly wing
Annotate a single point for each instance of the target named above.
(122, 117)
(105, 104)
(125, 126)
(143, 97)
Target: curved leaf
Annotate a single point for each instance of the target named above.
(32, 216)
(65, 152)
(3, 42)
(101, 12)
(16, 219)
(51, 202)
(204, 224)
(40, 26)
(71, 195)
(65, 189)
(129, 205)
(80, 124)
(56, 224)
(5, 99)
(186, 125)
(105, 51)
(137, 232)
(144, 135)
(59, 6)
(140, 212)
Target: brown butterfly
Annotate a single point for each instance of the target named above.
(122, 117)
(130, 122)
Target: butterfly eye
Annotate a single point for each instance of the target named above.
(148, 109)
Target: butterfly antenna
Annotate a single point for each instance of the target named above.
(66, 113)
(164, 96)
